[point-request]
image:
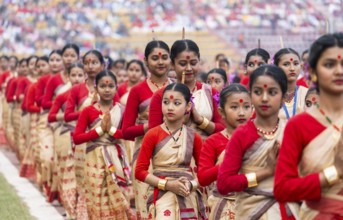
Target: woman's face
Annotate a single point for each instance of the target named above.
(56, 63)
(158, 62)
(186, 63)
(254, 62)
(134, 73)
(69, 56)
(92, 65)
(290, 64)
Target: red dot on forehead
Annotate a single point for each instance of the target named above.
(255, 61)
(291, 59)
(171, 97)
(159, 54)
(313, 99)
(265, 86)
(106, 81)
(241, 100)
(339, 56)
(212, 77)
(187, 57)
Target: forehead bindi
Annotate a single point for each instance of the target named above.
(339, 56)
(313, 99)
(265, 86)
(241, 100)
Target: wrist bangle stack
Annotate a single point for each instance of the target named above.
(162, 184)
(99, 131)
(204, 124)
(112, 131)
(252, 181)
(331, 175)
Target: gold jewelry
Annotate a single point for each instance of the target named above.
(162, 184)
(112, 131)
(331, 175)
(204, 124)
(314, 78)
(99, 131)
(252, 181)
(194, 185)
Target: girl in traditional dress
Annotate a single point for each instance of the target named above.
(235, 108)
(289, 61)
(254, 59)
(310, 162)
(173, 192)
(250, 156)
(135, 121)
(63, 147)
(311, 98)
(217, 79)
(204, 117)
(107, 172)
(135, 71)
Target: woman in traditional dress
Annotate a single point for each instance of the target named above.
(173, 192)
(107, 171)
(250, 157)
(310, 163)
(63, 146)
(289, 61)
(135, 120)
(236, 109)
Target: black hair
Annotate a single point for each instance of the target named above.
(179, 87)
(59, 52)
(103, 74)
(155, 44)
(16, 60)
(224, 60)
(305, 52)
(73, 65)
(216, 58)
(5, 57)
(229, 90)
(257, 52)
(122, 61)
(95, 53)
(220, 71)
(272, 71)
(108, 62)
(44, 58)
(32, 57)
(24, 60)
(72, 46)
(140, 63)
(183, 45)
(283, 51)
(312, 90)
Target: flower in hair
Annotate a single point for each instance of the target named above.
(216, 98)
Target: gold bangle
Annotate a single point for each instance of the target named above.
(331, 175)
(99, 131)
(162, 184)
(204, 124)
(251, 177)
(112, 131)
(195, 185)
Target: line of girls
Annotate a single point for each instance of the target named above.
(180, 172)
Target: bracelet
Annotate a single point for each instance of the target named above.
(112, 131)
(331, 175)
(99, 131)
(194, 184)
(251, 177)
(204, 124)
(162, 184)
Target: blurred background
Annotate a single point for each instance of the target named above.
(122, 28)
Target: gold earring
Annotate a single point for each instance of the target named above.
(314, 78)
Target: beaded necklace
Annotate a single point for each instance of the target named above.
(156, 85)
(268, 133)
(171, 134)
(327, 118)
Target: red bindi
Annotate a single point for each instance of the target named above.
(291, 59)
(241, 100)
(187, 57)
(171, 97)
(265, 86)
(313, 99)
(212, 78)
(106, 81)
(339, 56)
(255, 61)
(159, 54)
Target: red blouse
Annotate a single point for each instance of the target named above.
(245, 81)
(31, 105)
(151, 139)
(302, 82)
(24, 103)
(58, 103)
(82, 134)
(122, 89)
(137, 95)
(23, 82)
(10, 89)
(3, 78)
(41, 85)
(49, 93)
(289, 186)
(211, 150)
(156, 116)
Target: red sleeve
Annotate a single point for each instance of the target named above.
(219, 124)
(302, 82)
(57, 104)
(289, 186)
(155, 110)
(30, 101)
(40, 90)
(197, 148)
(11, 90)
(122, 89)
(208, 170)
(130, 129)
(22, 83)
(81, 135)
(148, 145)
(49, 93)
(70, 113)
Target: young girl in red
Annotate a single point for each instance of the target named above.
(173, 192)
(310, 163)
(250, 156)
(235, 108)
(107, 173)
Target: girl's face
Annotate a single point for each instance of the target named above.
(134, 73)
(32, 66)
(56, 63)
(92, 65)
(174, 106)
(122, 76)
(186, 62)
(254, 62)
(158, 62)
(13, 63)
(42, 67)
(77, 75)
(106, 88)
(23, 69)
(266, 96)
(311, 100)
(290, 64)
(329, 71)
(216, 81)
(237, 109)
(69, 56)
